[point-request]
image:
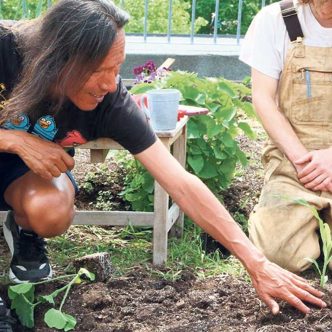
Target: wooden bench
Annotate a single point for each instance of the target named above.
(164, 218)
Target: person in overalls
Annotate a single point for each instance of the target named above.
(289, 48)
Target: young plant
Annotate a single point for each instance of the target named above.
(213, 151)
(22, 298)
(325, 233)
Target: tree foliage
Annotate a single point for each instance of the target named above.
(158, 11)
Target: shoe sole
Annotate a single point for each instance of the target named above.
(10, 242)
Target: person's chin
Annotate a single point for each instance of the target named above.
(87, 107)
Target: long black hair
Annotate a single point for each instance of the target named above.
(63, 47)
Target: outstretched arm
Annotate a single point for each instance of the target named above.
(198, 202)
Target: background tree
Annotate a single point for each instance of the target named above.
(158, 16)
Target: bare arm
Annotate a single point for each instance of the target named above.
(264, 95)
(314, 168)
(198, 202)
(44, 158)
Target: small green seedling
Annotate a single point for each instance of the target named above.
(325, 233)
(23, 302)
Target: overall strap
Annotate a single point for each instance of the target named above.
(289, 14)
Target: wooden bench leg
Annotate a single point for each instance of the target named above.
(179, 152)
(160, 234)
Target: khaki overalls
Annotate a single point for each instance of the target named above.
(286, 232)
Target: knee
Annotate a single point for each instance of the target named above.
(292, 259)
(49, 215)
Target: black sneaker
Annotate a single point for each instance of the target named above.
(6, 321)
(29, 261)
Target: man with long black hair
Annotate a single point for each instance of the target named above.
(61, 74)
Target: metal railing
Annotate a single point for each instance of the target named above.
(31, 8)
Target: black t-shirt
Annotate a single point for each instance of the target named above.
(117, 116)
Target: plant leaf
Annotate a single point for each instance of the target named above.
(47, 298)
(88, 274)
(315, 264)
(196, 163)
(71, 322)
(20, 289)
(24, 310)
(247, 129)
(55, 318)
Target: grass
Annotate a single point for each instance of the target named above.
(131, 247)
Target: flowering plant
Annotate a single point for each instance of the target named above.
(149, 72)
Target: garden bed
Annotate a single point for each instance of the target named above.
(141, 302)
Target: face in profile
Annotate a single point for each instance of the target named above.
(103, 80)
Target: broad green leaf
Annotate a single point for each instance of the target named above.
(242, 157)
(213, 107)
(228, 114)
(223, 86)
(24, 310)
(219, 153)
(21, 289)
(213, 130)
(55, 319)
(248, 109)
(148, 184)
(209, 170)
(247, 129)
(26, 289)
(196, 163)
(193, 131)
(71, 322)
(228, 140)
(194, 150)
(47, 298)
(194, 94)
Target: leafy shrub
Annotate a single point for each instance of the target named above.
(212, 149)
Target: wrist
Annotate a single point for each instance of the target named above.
(254, 263)
(9, 141)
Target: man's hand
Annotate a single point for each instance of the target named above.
(272, 282)
(316, 170)
(44, 158)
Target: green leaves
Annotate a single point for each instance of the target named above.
(59, 320)
(325, 233)
(22, 301)
(22, 297)
(212, 149)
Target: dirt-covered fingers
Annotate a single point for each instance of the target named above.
(308, 289)
(296, 302)
(271, 304)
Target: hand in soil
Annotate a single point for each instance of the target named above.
(272, 282)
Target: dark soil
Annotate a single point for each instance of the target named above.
(139, 302)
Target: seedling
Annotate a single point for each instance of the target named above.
(325, 233)
(23, 296)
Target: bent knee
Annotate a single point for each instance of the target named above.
(49, 216)
(292, 259)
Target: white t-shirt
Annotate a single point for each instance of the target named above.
(266, 42)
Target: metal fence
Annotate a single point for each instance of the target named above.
(16, 9)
